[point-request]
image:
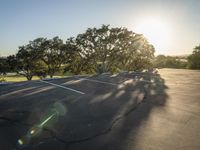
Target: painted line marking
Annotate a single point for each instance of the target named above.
(63, 87)
(98, 81)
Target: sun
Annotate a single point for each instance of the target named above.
(157, 32)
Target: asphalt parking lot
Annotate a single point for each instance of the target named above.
(125, 111)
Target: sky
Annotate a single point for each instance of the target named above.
(172, 26)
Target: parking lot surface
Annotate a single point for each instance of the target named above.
(125, 111)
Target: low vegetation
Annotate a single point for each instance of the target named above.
(194, 58)
(162, 61)
(181, 62)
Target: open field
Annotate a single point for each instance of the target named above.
(127, 111)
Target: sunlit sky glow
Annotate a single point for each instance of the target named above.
(157, 31)
(172, 26)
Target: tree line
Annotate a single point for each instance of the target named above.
(178, 62)
(181, 62)
(97, 50)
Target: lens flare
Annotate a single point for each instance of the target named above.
(58, 109)
(32, 132)
(20, 142)
(45, 121)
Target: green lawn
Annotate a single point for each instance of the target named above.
(18, 78)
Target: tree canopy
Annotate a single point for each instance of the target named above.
(111, 49)
(194, 58)
(97, 50)
(162, 61)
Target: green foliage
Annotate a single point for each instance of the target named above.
(3, 68)
(12, 63)
(74, 61)
(97, 50)
(41, 69)
(194, 58)
(111, 49)
(52, 54)
(41, 57)
(162, 61)
(26, 61)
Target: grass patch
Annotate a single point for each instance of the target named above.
(17, 78)
(20, 78)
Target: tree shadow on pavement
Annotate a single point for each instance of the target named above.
(104, 120)
(106, 117)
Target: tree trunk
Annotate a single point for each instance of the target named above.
(51, 73)
(29, 77)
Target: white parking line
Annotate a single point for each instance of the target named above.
(63, 87)
(92, 80)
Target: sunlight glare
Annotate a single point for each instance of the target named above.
(157, 32)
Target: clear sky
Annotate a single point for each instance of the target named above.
(172, 26)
